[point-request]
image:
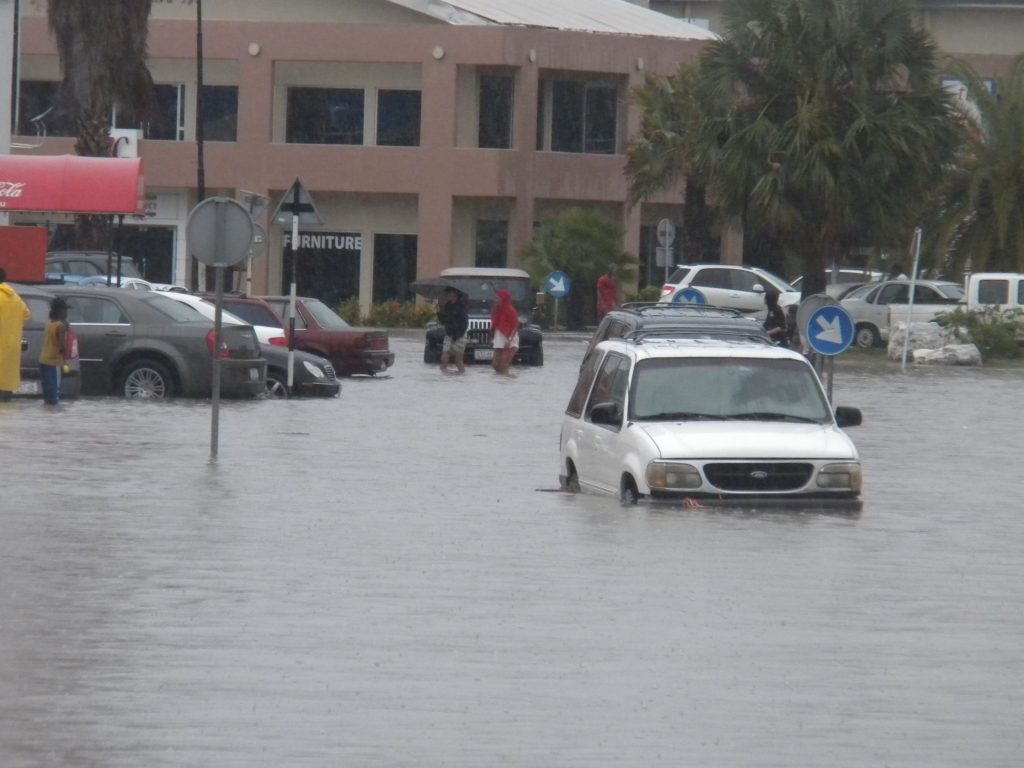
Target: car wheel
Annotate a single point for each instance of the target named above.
(431, 354)
(572, 479)
(866, 336)
(628, 494)
(147, 380)
(277, 386)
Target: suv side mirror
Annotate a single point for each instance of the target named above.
(848, 417)
(606, 413)
(757, 288)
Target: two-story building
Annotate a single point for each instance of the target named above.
(429, 134)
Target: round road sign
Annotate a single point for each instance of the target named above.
(689, 296)
(830, 330)
(219, 232)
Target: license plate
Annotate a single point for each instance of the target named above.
(254, 374)
(483, 354)
(30, 387)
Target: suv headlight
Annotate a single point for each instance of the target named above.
(844, 476)
(316, 370)
(672, 476)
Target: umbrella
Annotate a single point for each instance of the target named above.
(434, 287)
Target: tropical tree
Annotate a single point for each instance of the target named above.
(819, 123)
(980, 221)
(102, 49)
(583, 244)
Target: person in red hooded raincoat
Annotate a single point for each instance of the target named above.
(13, 316)
(505, 331)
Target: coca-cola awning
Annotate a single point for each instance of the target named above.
(71, 183)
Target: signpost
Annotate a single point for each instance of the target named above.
(829, 331)
(666, 237)
(557, 286)
(219, 234)
(689, 296)
(298, 205)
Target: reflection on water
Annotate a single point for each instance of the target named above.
(391, 578)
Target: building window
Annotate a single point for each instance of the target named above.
(398, 118)
(220, 112)
(325, 116)
(491, 243)
(394, 267)
(166, 119)
(40, 112)
(580, 117)
(495, 124)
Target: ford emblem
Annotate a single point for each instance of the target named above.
(759, 474)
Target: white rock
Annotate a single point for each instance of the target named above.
(922, 336)
(950, 354)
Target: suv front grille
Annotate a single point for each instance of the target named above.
(764, 476)
(479, 332)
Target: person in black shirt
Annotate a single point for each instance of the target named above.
(452, 314)
(775, 322)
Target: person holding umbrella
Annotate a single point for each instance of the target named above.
(452, 314)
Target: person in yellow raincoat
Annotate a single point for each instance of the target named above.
(13, 316)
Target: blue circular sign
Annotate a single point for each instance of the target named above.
(689, 296)
(830, 330)
(557, 285)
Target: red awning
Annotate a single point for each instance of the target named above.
(71, 183)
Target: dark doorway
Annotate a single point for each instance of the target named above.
(394, 267)
(327, 266)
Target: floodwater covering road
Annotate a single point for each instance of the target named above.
(390, 579)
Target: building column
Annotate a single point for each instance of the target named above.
(436, 213)
(524, 138)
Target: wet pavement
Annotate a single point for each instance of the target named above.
(392, 579)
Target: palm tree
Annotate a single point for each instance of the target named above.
(102, 49)
(981, 217)
(821, 123)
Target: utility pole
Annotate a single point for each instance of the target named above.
(200, 149)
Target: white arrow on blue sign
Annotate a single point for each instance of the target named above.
(558, 285)
(689, 296)
(830, 330)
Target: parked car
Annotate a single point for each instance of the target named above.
(60, 264)
(143, 345)
(870, 304)
(38, 301)
(728, 285)
(706, 419)
(258, 313)
(318, 329)
(480, 285)
(131, 283)
(839, 281)
(312, 375)
(692, 321)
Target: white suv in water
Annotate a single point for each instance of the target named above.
(706, 419)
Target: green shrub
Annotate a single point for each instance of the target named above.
(389, 314)
(996, 333)
(648, 294)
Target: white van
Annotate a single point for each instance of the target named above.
(1003, 290)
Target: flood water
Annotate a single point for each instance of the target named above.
(390, 579)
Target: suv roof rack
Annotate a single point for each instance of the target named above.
(639, 306)
(694, 332)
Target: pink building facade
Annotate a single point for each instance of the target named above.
(423, 144)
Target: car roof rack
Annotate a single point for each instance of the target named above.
(686, 308)
(724, 333)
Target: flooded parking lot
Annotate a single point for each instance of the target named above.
(392, 579)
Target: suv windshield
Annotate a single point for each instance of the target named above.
(668, 389)
(482, 290)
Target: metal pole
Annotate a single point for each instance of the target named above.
(831, 373)
(291, 293)
(218, 245)
(910, 298)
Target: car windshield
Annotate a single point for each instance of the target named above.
(482, 289)
(951, 290)
(178, 312)
(727, 388)
(325, 316)
(860, 293)
(678, 275)
(779, 284)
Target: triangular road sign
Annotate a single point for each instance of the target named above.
(297, 201)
